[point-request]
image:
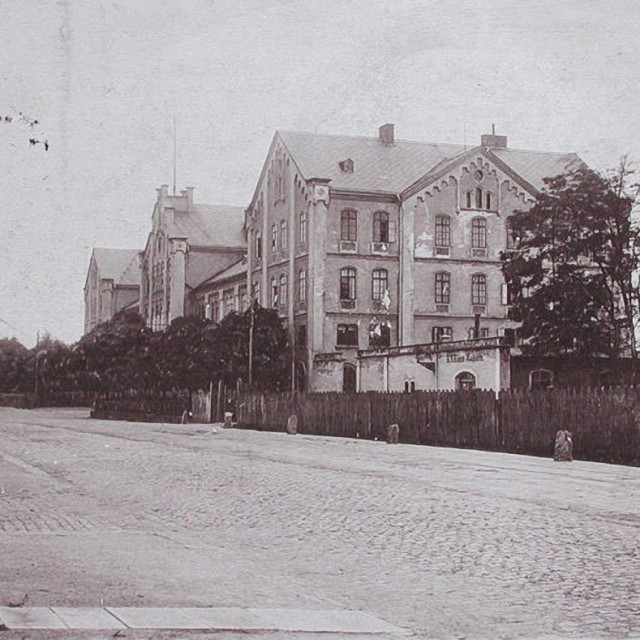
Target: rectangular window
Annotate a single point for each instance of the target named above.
(301, 335)
(303, 227)
(505, 294)
(443, 288)
(347, 335)
(379, 335)
(479, 290)
(284, 289)
(258, 246)
(302, 286)
(256, 292)
(349, 225)
(284, 235)
(274, 238)
(443, 231)
(348, 284)
(483, 333)
(442, 334)
(379, 284)
(479, 233)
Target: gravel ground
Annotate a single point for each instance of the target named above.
(445, 542)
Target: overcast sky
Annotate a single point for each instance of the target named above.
(104, 79)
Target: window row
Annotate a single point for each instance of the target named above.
(478, 233)
(279, 289)
(442, 289)
(280, 236)
(479, 199)
(216, 307)
(383, 229)
(379, 335)
(379, 284)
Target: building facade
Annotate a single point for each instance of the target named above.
(188, 242)
(112, 283)
(370, 243)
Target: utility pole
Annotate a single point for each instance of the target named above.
(251, 323)
(36, 364)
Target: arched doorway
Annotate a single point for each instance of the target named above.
(349, 378)
(465, 381)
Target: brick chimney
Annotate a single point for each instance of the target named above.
(492, 140)
(386, 134)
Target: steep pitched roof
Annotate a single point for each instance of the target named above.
(210, 225)
(236, 270)
(377, 167)
(391, 169)
(534, 166)
(120, 265)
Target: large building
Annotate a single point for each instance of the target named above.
(112, 283)
(369, 242)
(360, 243)
(188, 243)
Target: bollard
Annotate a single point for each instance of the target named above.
(228, 416)
(563, 451)
(393, 431)
(292, 424)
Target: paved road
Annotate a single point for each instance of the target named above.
(445, 542)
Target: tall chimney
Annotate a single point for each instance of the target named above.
(386, 134)
(492, 140)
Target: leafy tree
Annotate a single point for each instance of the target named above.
(270, 354)
(187, 354)
(115, 354)
(571, 273)
(16, 367)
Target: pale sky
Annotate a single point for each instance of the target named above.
(104, 79)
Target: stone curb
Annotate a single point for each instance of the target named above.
(196, 618)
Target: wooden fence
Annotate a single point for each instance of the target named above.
(142, 406)
(605, 422)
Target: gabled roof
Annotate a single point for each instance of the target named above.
(210, 225)
(120, 265)
(377, 167)
(394, 168)
(236, 270)
(534, 166)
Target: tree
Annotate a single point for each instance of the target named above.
(16, 367)
(270, 355)
(116, 354)
(571, 273)
(187, 354)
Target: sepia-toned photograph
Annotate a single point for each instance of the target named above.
(320, 319)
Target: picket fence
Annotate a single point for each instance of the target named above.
(605, 422)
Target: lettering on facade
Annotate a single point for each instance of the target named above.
(471, 356)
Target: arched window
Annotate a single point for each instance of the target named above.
(284, 289)
(443, 231)
(479, 233)
(349, 225)
(379, 283)
(302, 286)
(274, 238)
(303, 227)
(274, 292)
(348, 283)
(381, 226)
(488, 200)
(442, 288)
(465, 381)
(479, 289)
(540, 379)
(478, 198)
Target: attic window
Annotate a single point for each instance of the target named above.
(346, 165)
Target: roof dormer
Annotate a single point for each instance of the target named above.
(346, 166)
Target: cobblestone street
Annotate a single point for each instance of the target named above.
(447, 543)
